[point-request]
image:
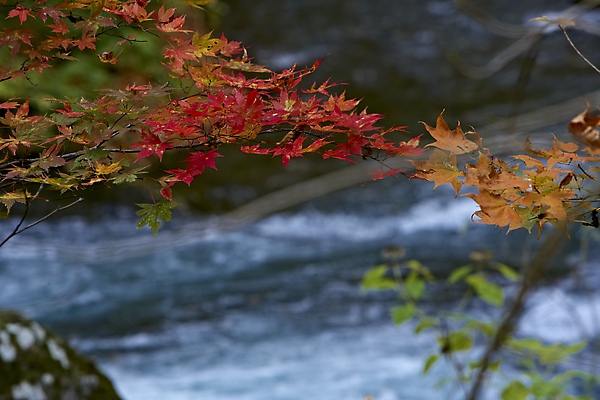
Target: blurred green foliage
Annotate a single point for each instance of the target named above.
(139, 61)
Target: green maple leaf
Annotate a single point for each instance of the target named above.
(151, 213)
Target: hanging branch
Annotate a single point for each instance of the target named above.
(17, 231)
(564, 30)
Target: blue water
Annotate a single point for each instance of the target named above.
(273, 309)
(398, 55)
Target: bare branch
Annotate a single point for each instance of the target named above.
(17, 231)
(531, 276)
(562, 28)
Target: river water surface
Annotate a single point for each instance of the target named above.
(273, 310)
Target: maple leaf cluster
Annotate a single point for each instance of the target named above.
(535, 188)
(70, 26)
(216, 97)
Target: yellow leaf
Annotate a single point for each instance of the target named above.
(103, 169)
(9, 199)
(205, 44)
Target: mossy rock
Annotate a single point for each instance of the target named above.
(36, 364)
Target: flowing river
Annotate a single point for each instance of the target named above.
(271, 308)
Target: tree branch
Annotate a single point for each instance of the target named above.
(564, 30)
(531, 276)
(17, 231)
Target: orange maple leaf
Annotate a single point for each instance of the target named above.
(554, 203)
(439, 169)
(454, 141)
(488, 175)
(584, 128)
(560, 153)
(495, 210)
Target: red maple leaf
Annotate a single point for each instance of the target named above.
(59, 27)
(294, 149)
(167, 193)
(180, 51)
(230, 48)
(52, 12)
(196, 163)
(353, 146)
(377, 175)
(323, 88)
(87, 40)
(200, 160)
(9, 104)
(20, 12)
(151, 144)
(68, 111)
(164, 15)
(23, 110)
(255, 149)
(13, 38)
(291, 149)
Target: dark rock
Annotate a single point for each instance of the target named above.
(36, 364)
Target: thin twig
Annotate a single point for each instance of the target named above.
(17, 231)
(562, 28)
(79, 200)
(27, 204)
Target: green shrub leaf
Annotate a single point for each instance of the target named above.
(455, 341)
(375, 279)
(401, 314)
(425, 323)
(507, 272)
(431, 360)
(487, 291)
(515, 390)
(414, 285)
(459, 273)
